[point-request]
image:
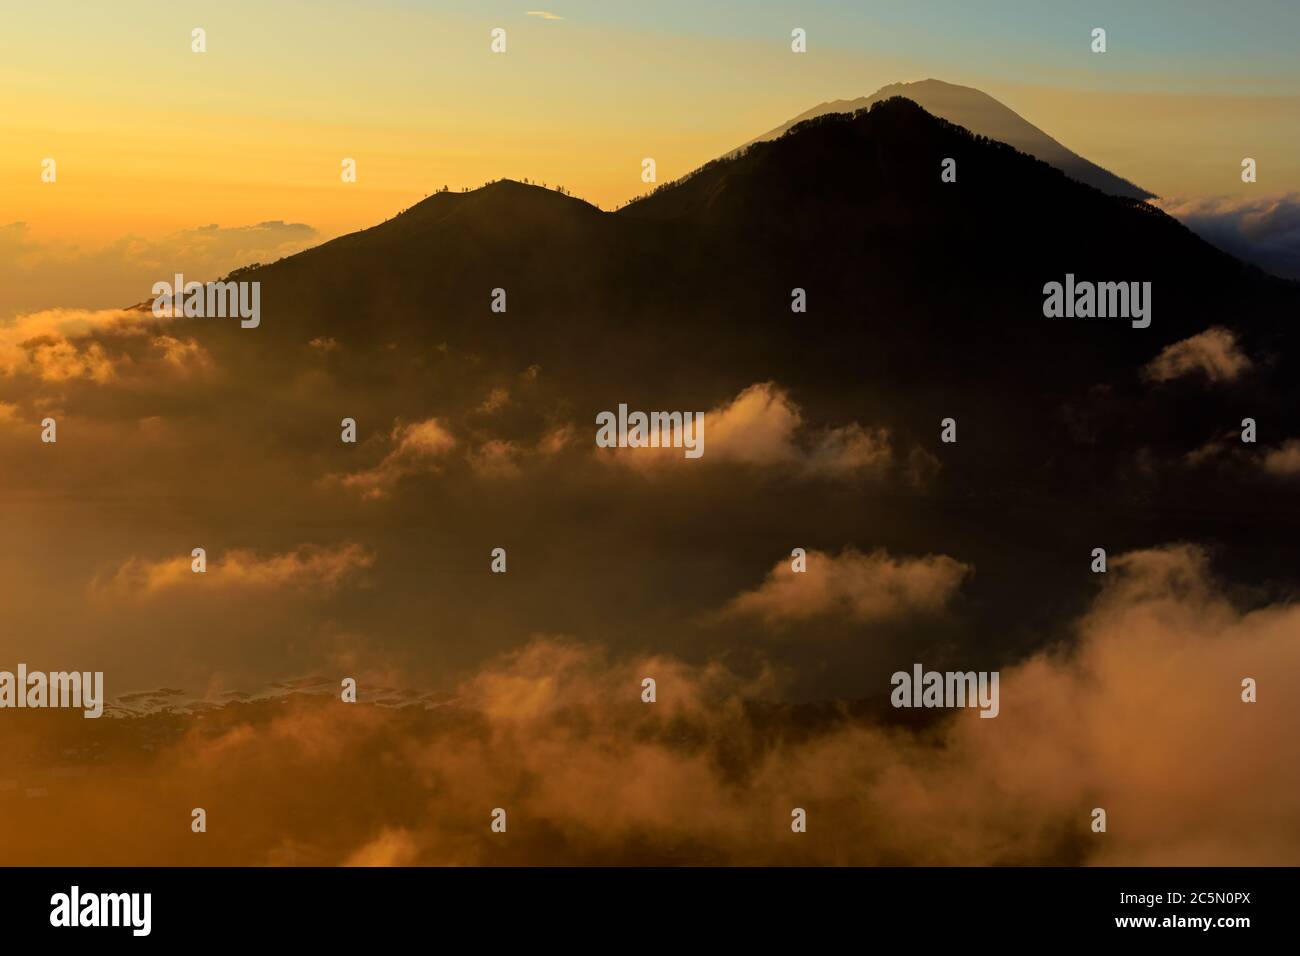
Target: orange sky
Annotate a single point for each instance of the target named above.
(151, 138)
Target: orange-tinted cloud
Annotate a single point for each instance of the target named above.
(852, 585)
(98, 346)
(1284, 461)
(418, 447)
(392, 847)
(496, 459)
(49, 345)
(1214, 353)
(764, 427)
(306, 567)
(1139, 713)
(42, 275)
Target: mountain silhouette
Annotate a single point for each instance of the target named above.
(924, 302)
(985, 116)
(909, 278)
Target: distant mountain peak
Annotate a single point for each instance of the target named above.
(982, 114)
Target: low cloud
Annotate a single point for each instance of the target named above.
(758, 427)
(184, 354)
(849, 451)
(497, 399)
(496, 459)
(307, 567)
(1261, 230)
(858, 587)
(763, 427)
(56, 344)
(1138, 712)
(1284, 462)
(34, 274)
(1281, 461)
(418, 448)
(1213, 353)
(392, 847)
(99, 346)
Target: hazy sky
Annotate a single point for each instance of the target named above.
(151, 138)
